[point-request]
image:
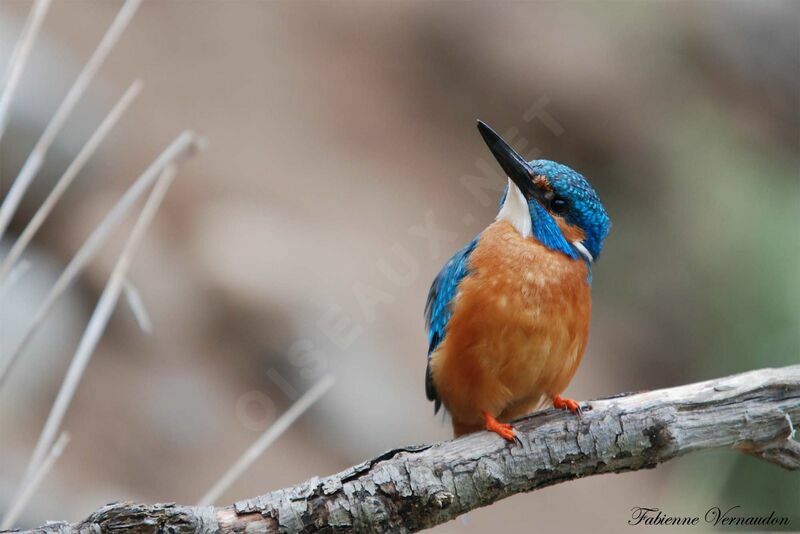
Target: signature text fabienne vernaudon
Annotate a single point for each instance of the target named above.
(733, 516)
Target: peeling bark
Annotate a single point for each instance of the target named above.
(413, 488)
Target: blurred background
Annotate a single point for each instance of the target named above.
(343, 169)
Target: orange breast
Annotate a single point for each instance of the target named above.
(519, 328)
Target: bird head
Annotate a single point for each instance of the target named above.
(549, 201)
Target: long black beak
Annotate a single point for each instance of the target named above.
(512, 163)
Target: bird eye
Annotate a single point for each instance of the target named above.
(558, 205)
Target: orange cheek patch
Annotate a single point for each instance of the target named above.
(572, 233)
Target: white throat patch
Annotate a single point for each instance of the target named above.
(515, 210)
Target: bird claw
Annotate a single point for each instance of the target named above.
(504, 430)
(562, 403)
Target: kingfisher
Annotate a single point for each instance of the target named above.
(508, 315)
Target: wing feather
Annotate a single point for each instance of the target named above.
(438, 308)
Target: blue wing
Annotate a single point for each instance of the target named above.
(437, 308)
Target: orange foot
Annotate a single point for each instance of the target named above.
(503, 430)
(568, 404)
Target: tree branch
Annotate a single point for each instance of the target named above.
(412, 488)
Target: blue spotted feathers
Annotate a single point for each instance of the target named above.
(586, 211)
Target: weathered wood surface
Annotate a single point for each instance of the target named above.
(412, 488)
